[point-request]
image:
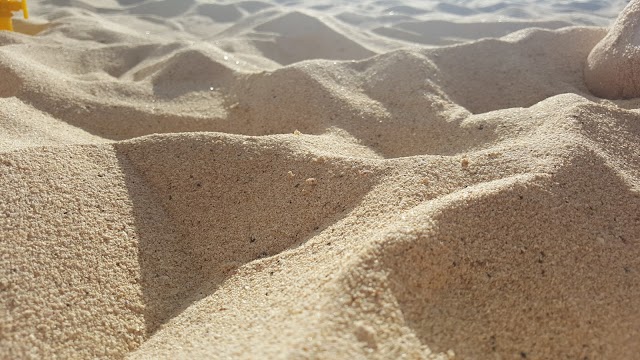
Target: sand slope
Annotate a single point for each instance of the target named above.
(281, 179)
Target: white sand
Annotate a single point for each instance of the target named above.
(289, 179)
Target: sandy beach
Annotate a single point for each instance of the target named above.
(288, 179)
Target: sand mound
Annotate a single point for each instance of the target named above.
(477, 266)
(302, 37)
(481, 82)
(435, 32)
(24, 127)
(610, 71)
(188, 71)
(286, 179)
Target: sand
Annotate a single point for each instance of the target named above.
(612, 66)
(320, 180)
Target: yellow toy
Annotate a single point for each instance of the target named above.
(7, 7)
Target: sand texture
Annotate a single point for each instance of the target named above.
(320, 180)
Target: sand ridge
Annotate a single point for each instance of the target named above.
(253, 179)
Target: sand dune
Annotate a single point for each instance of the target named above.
(288, 179)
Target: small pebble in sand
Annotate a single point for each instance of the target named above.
(297, 133)
(291, 175)
(425, 181)
(311, 181)
(465, 163)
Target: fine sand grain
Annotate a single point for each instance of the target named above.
(320, 180)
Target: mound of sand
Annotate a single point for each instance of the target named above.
(611, 70)
(291, 179)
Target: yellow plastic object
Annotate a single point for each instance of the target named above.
(7, 8)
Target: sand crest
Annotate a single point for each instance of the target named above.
(321, 180)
